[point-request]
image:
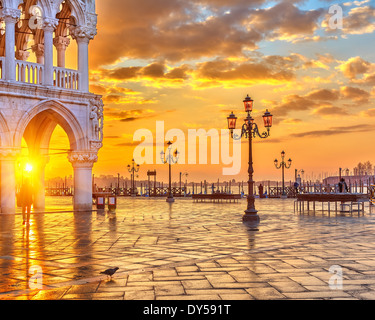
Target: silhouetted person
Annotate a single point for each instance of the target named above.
(261, 189)
(296, 186)
(343, 186)
(26, 200)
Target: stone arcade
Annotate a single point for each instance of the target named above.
(35, 97)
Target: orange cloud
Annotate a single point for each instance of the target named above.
(354, 66)
(355, 94)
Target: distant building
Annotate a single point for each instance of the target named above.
(363, 179)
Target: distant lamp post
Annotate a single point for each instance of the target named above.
(133, 169)
(298, 172)
(346, 170)
(186, 175)
(249, 131)
(283, 165)
(170, 159)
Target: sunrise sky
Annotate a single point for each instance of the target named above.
(190, 63)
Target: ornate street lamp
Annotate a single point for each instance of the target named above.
(341, 170)
(182, 175)
(297, 173)
(250, 131)
(170, 159)
(283, 165)
(133, 169)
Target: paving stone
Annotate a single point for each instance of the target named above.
(140, 295)
(190, 297)
(287, 286)
(265, 293)
(307, 280)
(317, 294)
(169, 290)
(235, 296)
(196, 284)
(168, 254)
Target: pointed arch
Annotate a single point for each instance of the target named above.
(5, 139)
(38, 123)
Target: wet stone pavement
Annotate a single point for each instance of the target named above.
(186, 250)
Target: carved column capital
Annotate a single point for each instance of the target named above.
(38, 49)
(9, 154)
(10, 15)
(82, 159)
(50, 24)
(22, 55)
(61, 43)
(83, 33)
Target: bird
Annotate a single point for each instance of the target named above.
(110, 272)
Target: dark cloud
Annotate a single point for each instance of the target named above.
(356, 94)
(360, 20)
(335, 131)
(133, 115)
(324, 94)
(331, 111)
(155, 70)
(267, 69)
(293, 102)
(285, 20)
(122, 73)
(171, 29)
(321, 101)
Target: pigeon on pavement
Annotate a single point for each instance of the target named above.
(110, 272)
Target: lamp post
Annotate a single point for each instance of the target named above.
(249, 131)
(297, 172)
(133, 169)
(283, 165)
(346, 170)
(170, 159)
(186, 175)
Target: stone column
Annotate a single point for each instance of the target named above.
(8, 159)
(83, 163)
(10, 16)
(49, 26)
(38, 49)
(83, 63)
(61, 43)
(83, 35)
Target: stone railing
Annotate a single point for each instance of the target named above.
(65, 78)
(29, 72)
(33, 73)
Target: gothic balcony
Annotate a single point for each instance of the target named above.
(33, 73)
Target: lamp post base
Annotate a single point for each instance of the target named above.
(251, 215)
(251, 221)
(283, 196)
(251, 218)
(170, 200)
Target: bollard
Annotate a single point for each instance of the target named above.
(112, 203)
